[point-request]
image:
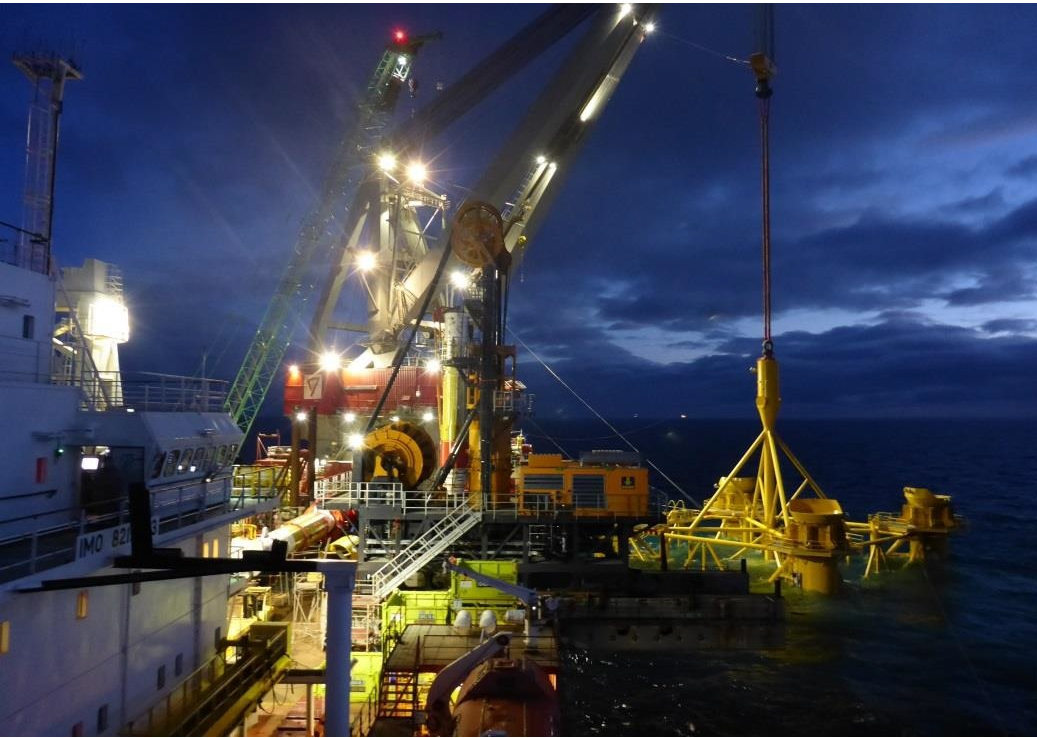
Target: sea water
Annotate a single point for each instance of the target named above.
(946, 648)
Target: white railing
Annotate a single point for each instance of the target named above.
(54, 543)
(367, 494)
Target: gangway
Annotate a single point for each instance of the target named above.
(423, 550)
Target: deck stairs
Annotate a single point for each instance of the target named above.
(422, 550)
(397, 694)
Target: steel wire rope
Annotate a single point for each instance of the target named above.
(547, 436)
(765, 176)
(599, 416)
(632, 431)
(700, 47)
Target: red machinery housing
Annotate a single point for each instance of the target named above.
(358, 390)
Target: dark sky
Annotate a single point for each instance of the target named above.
(904, 193)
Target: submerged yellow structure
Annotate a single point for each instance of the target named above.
(801, 530)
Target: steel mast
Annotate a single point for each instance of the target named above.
(48, 74)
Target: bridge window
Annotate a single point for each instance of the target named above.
(82, 605)
(221, 455)
(5, 636)
(28, 326)
(161, 677)
(171, 461)
(185, 461)
(156, 465)
(102, 718)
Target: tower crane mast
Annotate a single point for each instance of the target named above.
(321, 229)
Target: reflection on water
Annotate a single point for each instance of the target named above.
(944, 649)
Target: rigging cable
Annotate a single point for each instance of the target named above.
(762, 63)
(610, 436)
(601, 418)
(548, 436)
(708, 50)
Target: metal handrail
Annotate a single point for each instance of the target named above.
(183, 503)
(217, 676)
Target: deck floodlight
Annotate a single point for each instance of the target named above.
(302, 416)
(459, 279)
(427, 416)
(387, 161)
(366, 260)
(432, 366)
(356, 441)
(330, 361)
(416, 172)
(349, 417)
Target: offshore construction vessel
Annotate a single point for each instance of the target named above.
(402, 456)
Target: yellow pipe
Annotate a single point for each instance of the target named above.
(767, 473)
(725, 530)
(778, 479)
(448, 402)
(721, 541)
(734, 473)
(801, 469)
(799, 489)
(782, 566)
(716, 559)
(885, 539)
(768, 399)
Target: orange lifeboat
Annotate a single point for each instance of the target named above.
(507, 697)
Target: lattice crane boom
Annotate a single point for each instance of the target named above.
(321, 229)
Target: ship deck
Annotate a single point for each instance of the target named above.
(428, 647)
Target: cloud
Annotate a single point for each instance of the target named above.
(891, 369)
(994, 286)
(1024, 168)
(991, 202)
(1010, 325)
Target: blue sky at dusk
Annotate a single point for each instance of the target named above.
(904, 193)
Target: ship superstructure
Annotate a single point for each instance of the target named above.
(80, 443)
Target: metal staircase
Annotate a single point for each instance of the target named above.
(423, 549)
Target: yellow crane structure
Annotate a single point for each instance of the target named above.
(796, 526)
(804, 533)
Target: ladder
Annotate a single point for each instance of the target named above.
(423, 549)
(539, 538)
(397, 694)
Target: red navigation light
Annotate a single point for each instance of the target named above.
(399, 36)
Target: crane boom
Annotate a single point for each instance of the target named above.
(322, 228)
(527, 173)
